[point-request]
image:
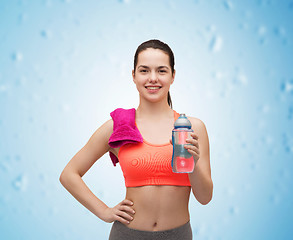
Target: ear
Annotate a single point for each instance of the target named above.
(133, 76)
(173, 76)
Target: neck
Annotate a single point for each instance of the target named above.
(154, 110)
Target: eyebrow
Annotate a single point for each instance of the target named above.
(144, 66)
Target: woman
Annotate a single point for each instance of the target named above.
(156, 202)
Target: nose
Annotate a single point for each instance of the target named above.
(153, 77)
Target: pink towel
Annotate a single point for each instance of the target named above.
(124, 130)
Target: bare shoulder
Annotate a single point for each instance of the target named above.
(197, 123)
(104, 131)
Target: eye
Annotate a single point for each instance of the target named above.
(162, 71)
(143, 70)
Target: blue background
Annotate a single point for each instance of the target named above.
(65, 65)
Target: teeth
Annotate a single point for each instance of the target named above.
(153, 88)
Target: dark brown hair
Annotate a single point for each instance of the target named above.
(156, 44)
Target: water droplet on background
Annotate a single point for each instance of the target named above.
(125, 1)
(228, 5)
(17, 158)
(22, 81)
(234, 210)
(53, 211)
(4, 88)
(46, 33)
(20, 183)
(287, 143)
(261, 33)
(17, 56)
(264, 108)
(280, 31)
(243, 26)
(216, 44)
(240, 79)
(275, 199)
(287, 86)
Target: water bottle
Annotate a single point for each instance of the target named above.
(182, 160)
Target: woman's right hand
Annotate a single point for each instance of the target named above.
(122, 212)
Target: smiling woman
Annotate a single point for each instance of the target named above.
(153, 75)
(156, 201)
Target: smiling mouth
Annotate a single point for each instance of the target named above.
(153, 88)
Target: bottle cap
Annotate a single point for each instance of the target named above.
(182, 122)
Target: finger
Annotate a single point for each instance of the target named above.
(121, 219)
(127, 209)
(193, 148)
(127, 202)
(194, 135)
(125, 215)
(193, 142)
(194, 154)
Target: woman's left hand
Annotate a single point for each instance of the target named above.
(192, 146)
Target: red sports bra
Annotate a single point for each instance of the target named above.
(149, 164)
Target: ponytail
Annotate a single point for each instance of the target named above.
(169, 100)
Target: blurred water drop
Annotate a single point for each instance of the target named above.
(240, 79)
(4, 88)
(20, 183)
(287, 143)
(17, 158)
(285, 174)
(31, 119)
(43, 178)
(228, 5)
(275, 199)
(287, 86)
(22, 17)
(36, 97)
(124, 1)
(280, 31)
(53, 211)
(268, 140)
(253, 166)
(230, 191)
(218, 75)
(4, 166)
(48, 3)
(264, 2)
(17, 56)
(211, 28)
(216, 44)
(21, 81)
(233, 210)
(46, 33)
(243, 26)
(261, 30)
(264, 108)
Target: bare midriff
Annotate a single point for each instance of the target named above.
(158, 208)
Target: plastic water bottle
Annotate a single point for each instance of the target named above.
(182, 160)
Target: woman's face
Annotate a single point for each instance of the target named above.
(153, 75)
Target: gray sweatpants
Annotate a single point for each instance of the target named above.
(121, 232)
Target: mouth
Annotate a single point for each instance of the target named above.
(153, 87)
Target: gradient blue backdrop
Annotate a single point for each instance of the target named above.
(65, 65)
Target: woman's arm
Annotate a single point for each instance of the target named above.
(200, 179)
(71, 177)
